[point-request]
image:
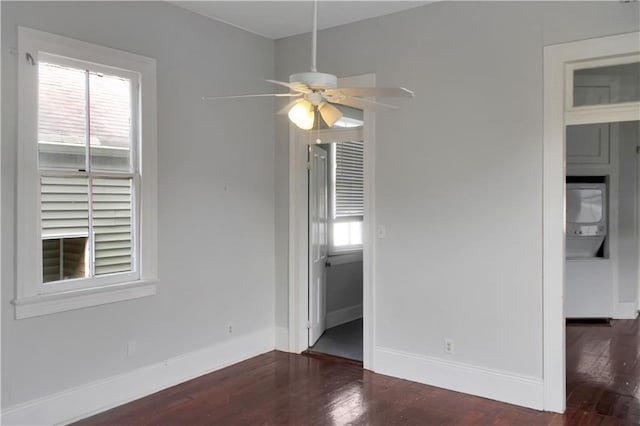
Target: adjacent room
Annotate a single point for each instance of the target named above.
(320, 212)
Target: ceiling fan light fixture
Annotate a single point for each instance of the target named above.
(302, 115)
(316, 94)
(329, 113)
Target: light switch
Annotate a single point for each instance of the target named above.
(381, 232)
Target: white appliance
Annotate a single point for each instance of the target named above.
(589, 278)
(586, 213)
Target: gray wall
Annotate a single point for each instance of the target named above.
(459, 168)
(215, 207)
(344, 286)
(627, 211)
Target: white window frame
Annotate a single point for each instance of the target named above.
(33, 298)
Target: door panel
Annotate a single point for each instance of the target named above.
(318, 241)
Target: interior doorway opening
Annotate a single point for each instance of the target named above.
(590, 195)
(299, 230)
(601, 282)
(336, 216)
(601, 220)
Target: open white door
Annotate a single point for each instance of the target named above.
(318, 241)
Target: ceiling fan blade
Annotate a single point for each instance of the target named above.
(257, 95)
(391, 92)
(362, 103)
(329, 113)
(287, 107)
(298, 87)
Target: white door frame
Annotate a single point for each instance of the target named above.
(557, 114)
(298, 235)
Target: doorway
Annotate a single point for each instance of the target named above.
(567, 103)
(299, 266)
(336, 213)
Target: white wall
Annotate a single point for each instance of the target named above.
(458, 172)
(216, 203)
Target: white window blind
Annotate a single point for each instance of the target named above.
(349, 179)
(112, 200)
(65, 207)
(65, 227)
(65, 220)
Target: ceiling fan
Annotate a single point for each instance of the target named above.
(315, 92)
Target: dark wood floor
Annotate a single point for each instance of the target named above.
(603, 374)
(603, 369)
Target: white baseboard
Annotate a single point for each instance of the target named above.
(487, 383)
(626, 310)
(86, 400)
(344, 315)
(282, 339)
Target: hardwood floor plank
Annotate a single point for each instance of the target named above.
(276, 388)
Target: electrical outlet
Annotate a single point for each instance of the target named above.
(448, 346)
(230, 328)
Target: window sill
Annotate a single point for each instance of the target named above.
(34, 306)
(344, 258)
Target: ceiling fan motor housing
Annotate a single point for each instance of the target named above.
(315, 80)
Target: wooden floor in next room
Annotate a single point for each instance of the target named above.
(603, 379)
(603, 369)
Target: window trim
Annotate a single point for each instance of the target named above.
(132, 173)
(30, 300)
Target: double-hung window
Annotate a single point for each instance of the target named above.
(86, 175)
(347, 196)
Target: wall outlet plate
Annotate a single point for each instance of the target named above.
(448, 346)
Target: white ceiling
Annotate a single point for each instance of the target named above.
(278, 19)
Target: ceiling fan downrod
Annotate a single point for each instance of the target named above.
(315, 80)
(314, 36)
